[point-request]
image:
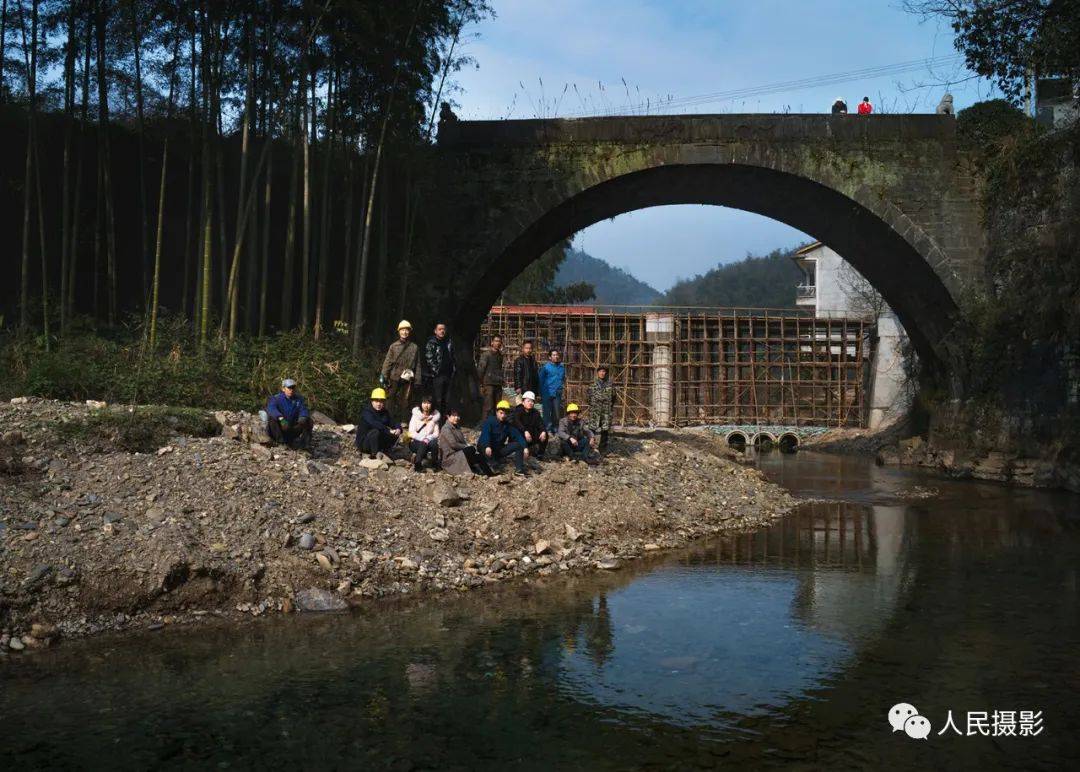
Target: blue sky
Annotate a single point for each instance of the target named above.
(533, 49)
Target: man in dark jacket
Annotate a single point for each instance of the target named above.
(377, 431)
(526, 371)
(439, 366)
(490, 372)
(527, 420)
(499, 439)
(288, 420)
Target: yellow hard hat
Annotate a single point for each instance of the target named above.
(573, 408)
(404, 324)
(503, 405)
(378, 393)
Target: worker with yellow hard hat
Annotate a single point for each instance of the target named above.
(376, 432)
(499, 439)
(577, 439)
(400, 372)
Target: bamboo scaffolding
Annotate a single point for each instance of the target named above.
(728, 365)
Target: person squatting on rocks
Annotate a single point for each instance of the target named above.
(526, 371)
(575, 437)
(865, 107)
(527, 420)
(401, 368)
(490, 372)
(552, 383)
(459, 456)
(288, 421)
(439, 366)
(499, 439)
(377, 432)
(839, 107)
(601, 406)
(424, 434)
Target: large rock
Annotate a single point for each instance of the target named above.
(445, 495)
(314, 599)
(322, 419)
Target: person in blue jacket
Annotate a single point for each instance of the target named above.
(552, 383)
(288, 421)
(500, 439)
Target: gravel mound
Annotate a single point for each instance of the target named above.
(95, 537)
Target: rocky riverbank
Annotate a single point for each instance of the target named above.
(95, 536)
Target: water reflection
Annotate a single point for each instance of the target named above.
(789, 643)
(775, 612)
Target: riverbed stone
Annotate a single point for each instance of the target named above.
(307, 541)
(316, 599)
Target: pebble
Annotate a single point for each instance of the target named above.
(307, 542)
(608, 565)
(439, 534)
(16, 644)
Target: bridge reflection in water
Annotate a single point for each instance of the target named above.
(775, 612)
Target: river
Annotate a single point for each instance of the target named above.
(786, 646)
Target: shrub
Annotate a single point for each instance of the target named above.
(85, 365)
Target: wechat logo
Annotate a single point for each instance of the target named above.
(905, 718)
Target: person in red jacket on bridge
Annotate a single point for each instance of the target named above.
(865, 108)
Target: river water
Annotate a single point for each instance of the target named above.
(786, 646)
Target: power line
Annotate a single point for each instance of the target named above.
(801, 84)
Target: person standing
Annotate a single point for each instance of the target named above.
(439, 366)
(839, 107)
(424, 434)
(526, 371)
(865, 107)
(376, 432)
(601, 405)
(490, 372)
(552, 385)
(401, 368)
(288, 420)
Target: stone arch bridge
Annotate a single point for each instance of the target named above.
(892, 194)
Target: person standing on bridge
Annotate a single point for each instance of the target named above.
(526, 371)
(400, 368)
(490, 372)
(839, 107)
(439, 366)
(552, 383)
(865, 107)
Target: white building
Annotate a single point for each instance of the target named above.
(833, 288)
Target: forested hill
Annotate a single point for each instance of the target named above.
(757, 281)
(612, 285)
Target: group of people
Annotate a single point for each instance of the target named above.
(519, 434)
(839, 107)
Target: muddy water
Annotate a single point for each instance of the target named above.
(787, 646)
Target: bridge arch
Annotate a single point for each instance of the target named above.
(895, 255)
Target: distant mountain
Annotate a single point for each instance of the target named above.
(613, 286)
(762, 281)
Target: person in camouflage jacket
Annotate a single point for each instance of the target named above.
(601, 405)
